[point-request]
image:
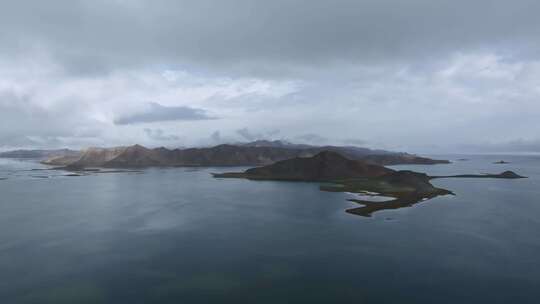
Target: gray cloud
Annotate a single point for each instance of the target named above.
(510, 146)
(158, 113)
(417, 75)
(26, 123)
(311, 139)
(159, 135)
(274, 37)
(246, 134)
(216, 137)
(356, 142)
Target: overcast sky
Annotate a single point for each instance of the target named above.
(426, 76)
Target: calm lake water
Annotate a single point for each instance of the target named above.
(181, 236)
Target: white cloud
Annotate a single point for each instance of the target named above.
(43, 103)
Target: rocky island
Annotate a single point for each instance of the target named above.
(341, 174)
(346, 175)
(505, 174)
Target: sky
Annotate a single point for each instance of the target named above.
(421, 76)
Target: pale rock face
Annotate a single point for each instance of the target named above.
(97, 156)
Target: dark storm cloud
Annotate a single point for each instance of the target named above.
(249, 36)
(158, 113)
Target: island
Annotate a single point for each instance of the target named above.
(505, 174)
(340, 174)
(338, 168)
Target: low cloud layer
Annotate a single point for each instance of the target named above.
(420, 75)
(159, 135)
(513, 146)
(155, 112)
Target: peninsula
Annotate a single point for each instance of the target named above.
(341, 174)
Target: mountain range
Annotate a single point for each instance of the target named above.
(255, 153)
(38, 154)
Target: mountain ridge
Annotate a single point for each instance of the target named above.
(37, 153)
(250, 154)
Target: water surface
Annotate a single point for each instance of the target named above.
(181, 236)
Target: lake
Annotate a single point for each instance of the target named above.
(180, 236)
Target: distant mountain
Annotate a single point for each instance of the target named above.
(139, 156)
(251, 154)
(288, 145)
(38, 154)
(376, 156)
(275, 144)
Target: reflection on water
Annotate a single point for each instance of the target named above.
(371, 206)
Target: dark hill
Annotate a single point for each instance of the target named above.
(325, 166)
(351, 175)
